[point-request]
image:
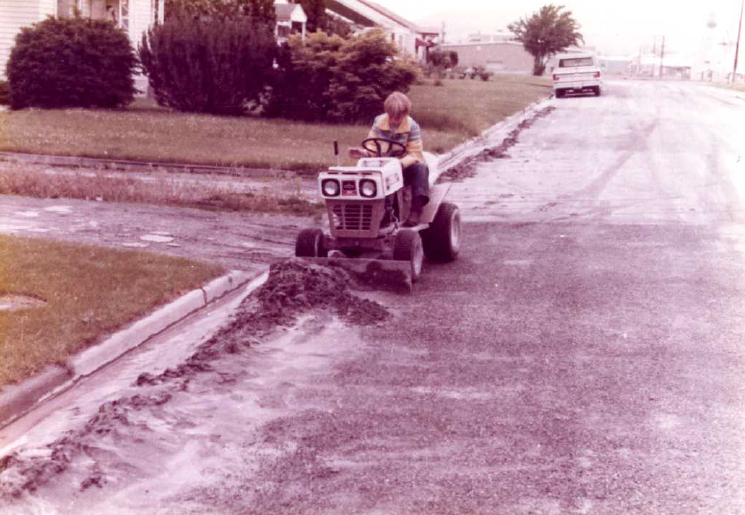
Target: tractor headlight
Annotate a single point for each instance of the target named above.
(330, 187)
(368, 188)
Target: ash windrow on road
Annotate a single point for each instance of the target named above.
(467, 167)
(292, 289)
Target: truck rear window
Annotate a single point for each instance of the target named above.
(575, 62)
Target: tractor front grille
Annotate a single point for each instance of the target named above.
(354, 219)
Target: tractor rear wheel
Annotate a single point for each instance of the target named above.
(441, 240)
(309, 243)
(407, 246)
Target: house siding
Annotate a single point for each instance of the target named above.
(141, 19)
(14, 15)
(47, 8)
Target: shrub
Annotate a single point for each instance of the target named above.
(482, 73)
(4, 92)
(219, 65)
(258, 10)
(300, 88)
(71, 62)
(367, 72)
(442, 59)
(331, 79)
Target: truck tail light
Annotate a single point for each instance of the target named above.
(556, 78)
(597, 75)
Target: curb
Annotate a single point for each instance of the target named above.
(475, 145)
(141, 166)
(17, 400)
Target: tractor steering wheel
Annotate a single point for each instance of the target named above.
(394, 148)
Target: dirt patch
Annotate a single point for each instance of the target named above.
(467, 168)
(292, 289)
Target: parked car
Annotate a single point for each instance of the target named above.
(577, 73)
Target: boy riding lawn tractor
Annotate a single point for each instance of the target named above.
(369, 218)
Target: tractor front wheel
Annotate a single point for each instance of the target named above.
(407, 246)
(442, 238)
(309, 243)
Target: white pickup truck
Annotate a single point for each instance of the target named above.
(577, 73)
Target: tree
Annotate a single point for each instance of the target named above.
(545, 33)
(369, 69)
(336, 25)
(71, 62)
(259, 10)
(442, 59)
(328, 78)
(219, 65)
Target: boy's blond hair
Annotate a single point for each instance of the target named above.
(397, 104)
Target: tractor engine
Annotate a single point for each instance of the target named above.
(359, 198)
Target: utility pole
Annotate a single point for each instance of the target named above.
(662, 54)
(737, 46)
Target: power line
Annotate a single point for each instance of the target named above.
(737, 46)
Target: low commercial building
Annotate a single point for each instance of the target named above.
(495, 56)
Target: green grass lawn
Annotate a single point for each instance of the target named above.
(87, 292)
(448, 114)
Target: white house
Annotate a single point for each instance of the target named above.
(410, 38)
(290, 17)
(134, 16)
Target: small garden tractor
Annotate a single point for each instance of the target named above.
(367, 205)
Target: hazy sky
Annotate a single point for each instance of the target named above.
(613, 27)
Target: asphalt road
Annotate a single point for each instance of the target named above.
(584, 355)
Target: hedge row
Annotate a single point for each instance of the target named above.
(219, 64)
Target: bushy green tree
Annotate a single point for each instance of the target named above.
(443, 59)
(215, 64)
(71, 62)
(305, 71)
(367, 72)
(545, 33)
(328, 78)
(261, 11)
(336, 25)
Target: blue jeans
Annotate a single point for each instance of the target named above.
(417, 176)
